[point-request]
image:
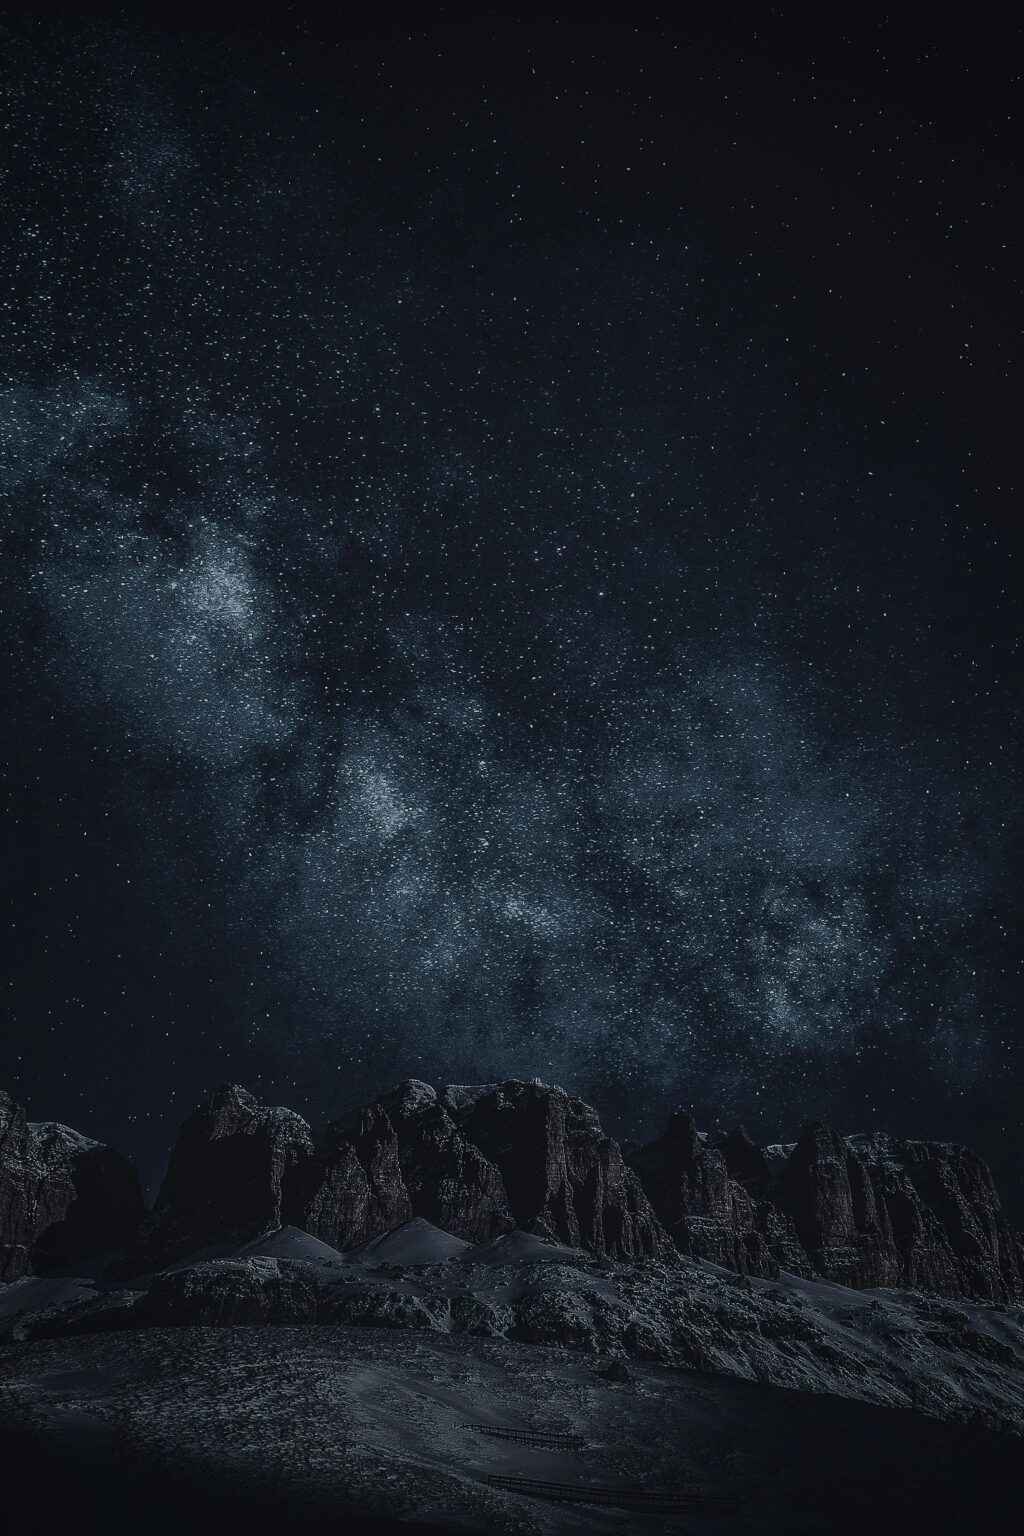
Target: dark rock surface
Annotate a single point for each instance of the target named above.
(479, 1161)
(450, 1181)
(863, 1211)
(878, 1211)
(228, 1295)
(352, 1187)
(707, 1213)
(402, 1157)
(475, 1162)
(63, 1197)
(232, 1174)
(827, 1191)
(564, 1178)
(746, 1162)
(944, 1216)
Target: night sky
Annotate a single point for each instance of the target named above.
(510, 565)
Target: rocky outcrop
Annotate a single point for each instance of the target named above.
(233, 1174)
(944, 1218)
(826, 1190)
(863, 1211)
(858, 1211)
(878, 1211)
(706, 1211)
(402, 1157)
(564, 1178)
(478, 1162)
(450, 1181)
(63, 1197)
(353, 1187)
(707, 1214)
(745, 1162)
(475, 1162)
(228, 1295)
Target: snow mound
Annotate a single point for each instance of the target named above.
(289, 1243)
(519, 1248)
(417, 1242)
(34, 1292)
(282, 1243)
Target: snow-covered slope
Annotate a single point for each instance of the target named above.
(962, 1361)
(416, 1242)
(520, 1248)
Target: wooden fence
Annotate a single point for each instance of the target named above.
(550, 1440)
(619, 1498)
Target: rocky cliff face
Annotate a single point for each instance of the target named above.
(707, 1211)
(450, 1181)
(232, 1174)
(878, 1211)
(827, 1192)
(864, 1211)
(353, 1187)
(401, 1157)
(943, 1213)
(564, 1178)
(475, 1162)
(63, 1197)
(746, 1162)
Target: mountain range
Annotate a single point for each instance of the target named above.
(480, 1161)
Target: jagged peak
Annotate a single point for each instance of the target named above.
(739, 1136)
(232, 1093)
(411, 1097)
(55, 1132)
(229, 1096)
(461, 1098)
(778, 1153)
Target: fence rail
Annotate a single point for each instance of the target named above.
(552, 1440)
(620, 1498)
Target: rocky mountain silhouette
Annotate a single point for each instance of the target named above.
(479, 1161)
(63, 1197)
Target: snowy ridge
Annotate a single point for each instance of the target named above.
(51, 1132)
(900, 1348)
(417, 1242)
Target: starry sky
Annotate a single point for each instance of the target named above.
(510, 565)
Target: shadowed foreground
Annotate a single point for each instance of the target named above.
(363, 1430)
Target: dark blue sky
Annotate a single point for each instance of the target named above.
(509, 568)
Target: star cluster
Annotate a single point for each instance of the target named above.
(461, 628)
